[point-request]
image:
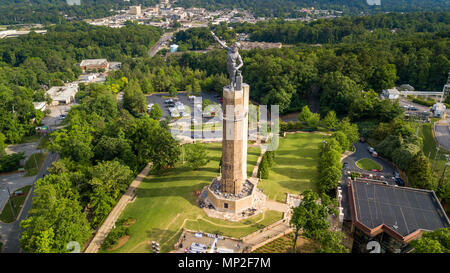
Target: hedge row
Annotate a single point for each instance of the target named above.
(265, 164)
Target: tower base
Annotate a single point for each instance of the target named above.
(234, 207)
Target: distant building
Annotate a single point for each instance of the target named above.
(41, 106)
(16, 33)
(73, 2)
(262, 45)
(63, 94)
(173, 48)
(438, 110)
(391, 94)
(406, 87)
(91, 64)
(135, 10)
(391, 215)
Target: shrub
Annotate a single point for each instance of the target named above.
(9, 163)
(115, 234)
(263, 169)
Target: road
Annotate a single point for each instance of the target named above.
(362, 152)
(11, 232)
(160, 44)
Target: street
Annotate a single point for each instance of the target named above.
(10, 233)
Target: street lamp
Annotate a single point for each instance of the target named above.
(10, 203)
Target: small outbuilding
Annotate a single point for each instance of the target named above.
(439, 110)
(391, 94)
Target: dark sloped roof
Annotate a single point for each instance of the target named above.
(401, 210)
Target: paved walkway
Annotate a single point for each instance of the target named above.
(110, 221)
(264, 237)
(277, 206)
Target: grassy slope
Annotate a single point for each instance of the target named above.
(167, 203)
(30, 165)
(295, 168)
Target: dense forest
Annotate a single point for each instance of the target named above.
(30, 64)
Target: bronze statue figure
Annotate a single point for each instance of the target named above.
(233, 58)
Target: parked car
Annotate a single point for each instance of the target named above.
(399, 181)
(345, 165)
(61, 117)
(370, 149)
(396, 175)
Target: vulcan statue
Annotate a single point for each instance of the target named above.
(233, 58)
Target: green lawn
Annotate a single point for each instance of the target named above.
(368, 164)
(30, 166)
(167, 203)
(17, 201)
(29, 139)
(295, 168)
(44, 142)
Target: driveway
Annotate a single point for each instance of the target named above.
(27, 148)
(362, 152)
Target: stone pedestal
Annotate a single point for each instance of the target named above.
(235, 136)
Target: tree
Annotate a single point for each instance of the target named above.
(2, 144)
(196, 88)
(384, 77)
(263, 168)
(419, 172)
(196, 155)
(133, 98)
(75, 143)
(331, 242)
(44, 241)
(314, 120)
(437, 241)
(173, 91)
(311, 216)
(156, 112)
(403, 155)
(349, 129)
(330, 121)
(305, 114)
(53, 209)
(166, 150)
(342, 139)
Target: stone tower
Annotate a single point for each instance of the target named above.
(235, 135)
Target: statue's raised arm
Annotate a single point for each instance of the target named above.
(222, 43)
(234, 62)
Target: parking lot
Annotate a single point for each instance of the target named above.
(159, 99)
